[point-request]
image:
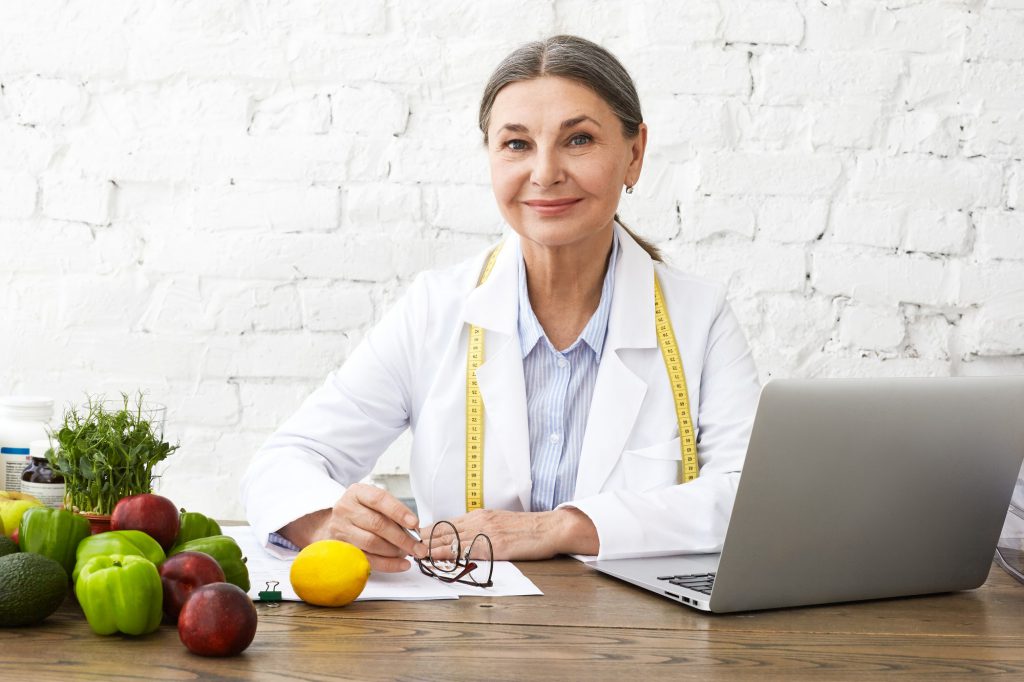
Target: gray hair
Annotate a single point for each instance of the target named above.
(583, 62)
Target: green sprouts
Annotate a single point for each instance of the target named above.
(105, 453)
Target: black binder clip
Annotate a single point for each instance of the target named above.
(271, 594)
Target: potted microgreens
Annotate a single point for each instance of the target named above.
(106, 451)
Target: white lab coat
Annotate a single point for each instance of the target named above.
(409, 372)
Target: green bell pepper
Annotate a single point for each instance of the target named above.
(120, 593)
(126, 542)
(54, 533)
(226, 551)
(194, 526)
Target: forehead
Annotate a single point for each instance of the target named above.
(548, 100)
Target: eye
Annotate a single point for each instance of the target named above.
(515, 145)
(579, 140)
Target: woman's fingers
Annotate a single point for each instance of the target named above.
(375, 521)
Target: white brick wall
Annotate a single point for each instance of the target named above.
(214, 201)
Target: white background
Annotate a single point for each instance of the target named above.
(213, 200)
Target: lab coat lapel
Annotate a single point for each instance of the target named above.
(493, 306)
(618, 391)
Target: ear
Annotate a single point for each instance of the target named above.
(636, 162)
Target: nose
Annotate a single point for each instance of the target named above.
(547, 169)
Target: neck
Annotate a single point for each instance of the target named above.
(565, 284)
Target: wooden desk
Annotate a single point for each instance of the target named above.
(587, 626)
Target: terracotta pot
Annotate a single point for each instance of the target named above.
(99, 523)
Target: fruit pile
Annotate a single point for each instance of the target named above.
(155, 565)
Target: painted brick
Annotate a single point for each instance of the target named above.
(18, 193)
(266, 206)
(844, 126)
(996, 35)
(608, 20)
(314, 16)
(773, 128)
(996, 328)
(336, 307)
(924, 132)
(464, 208)
(934, 231)
(708, 123)
(713, 218)
(267, 403)
(1015, 187)
(894, 278)
(792, 220)
(376, 206)
(671, 23)
(368, 108)
(999, 234)
(928, 334)
(993, 85)
(240, 306)
(210, 403)
(771, 23)
(760, 268)
(263, 355)
(876, 27)
(870, 224)
(988, 280)
(77, 199)
(691, 71)
(301, 111)
(49, 102)
(995, 134)
(876, 328)
(930, 182)
(933, 80)
(769, 174)
(800, 77)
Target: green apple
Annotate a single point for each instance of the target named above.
(12, 506)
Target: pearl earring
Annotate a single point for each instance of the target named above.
(629, 189)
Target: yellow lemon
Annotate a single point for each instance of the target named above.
(329, 573)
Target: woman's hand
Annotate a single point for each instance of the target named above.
(524, 535)
(369, 518)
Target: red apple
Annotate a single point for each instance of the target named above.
(154, 515)
(181, 574)
(219, 619)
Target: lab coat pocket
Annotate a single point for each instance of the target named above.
(655, 466)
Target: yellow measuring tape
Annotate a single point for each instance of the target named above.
(475, 407)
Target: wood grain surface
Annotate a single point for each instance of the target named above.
(586, 626)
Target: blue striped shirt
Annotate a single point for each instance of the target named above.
(559, 389)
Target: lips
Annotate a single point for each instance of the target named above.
(552, 207)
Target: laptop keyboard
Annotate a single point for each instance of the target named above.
(699, 582)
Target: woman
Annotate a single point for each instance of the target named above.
(581, 445)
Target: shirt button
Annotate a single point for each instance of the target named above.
(563, 363)
(555, 437)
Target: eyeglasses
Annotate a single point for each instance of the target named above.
(1011, 558)
(449, 562)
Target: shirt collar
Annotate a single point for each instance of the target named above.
(593, 334)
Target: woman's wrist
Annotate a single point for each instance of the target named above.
(307, 529)
(577, 534)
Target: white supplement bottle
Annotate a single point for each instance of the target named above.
(22, 420)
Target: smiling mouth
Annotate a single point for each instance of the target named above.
(552, 207)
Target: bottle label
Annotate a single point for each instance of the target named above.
(13, 461)
(50, 494)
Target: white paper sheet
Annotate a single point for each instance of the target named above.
(266, 567)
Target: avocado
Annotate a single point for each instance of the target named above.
(7, 546)
(32, 587)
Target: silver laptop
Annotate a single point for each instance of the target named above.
(858, 489)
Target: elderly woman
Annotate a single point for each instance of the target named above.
(568, 392)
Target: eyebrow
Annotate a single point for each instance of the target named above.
(568, 123)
